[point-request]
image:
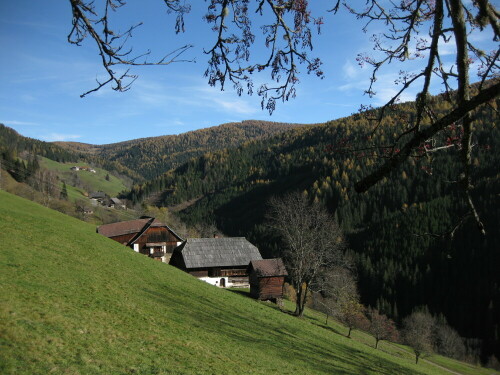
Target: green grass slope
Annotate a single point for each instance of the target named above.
(95, 181)
(73, 302)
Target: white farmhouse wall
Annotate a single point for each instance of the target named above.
(216, 281)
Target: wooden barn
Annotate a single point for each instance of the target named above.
(267, 277)
(146, 235)
(219, 261)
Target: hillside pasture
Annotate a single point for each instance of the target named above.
(93, 181)
(74, 302)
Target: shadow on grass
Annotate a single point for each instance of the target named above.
(241, 292)
(328, 328)
(266, 336)
(270, 304)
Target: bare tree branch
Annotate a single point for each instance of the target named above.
(419, 138)
(112, 45)
(404, 21)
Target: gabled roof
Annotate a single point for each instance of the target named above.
(269, 267)
(217, 252)
(137, 226)
(98, 195)
(116, 201)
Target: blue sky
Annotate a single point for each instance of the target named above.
(42, 77)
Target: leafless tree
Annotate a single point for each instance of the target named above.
(46, 182)
(448, 342)
(334, 287)
(343, 304)
(418, 333)
(312, 242)
(381, 327)
(352, 315)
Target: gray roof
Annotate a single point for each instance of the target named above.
(98, 195)
(218, 252)
(116, 201)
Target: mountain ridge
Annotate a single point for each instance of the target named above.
(152, 156)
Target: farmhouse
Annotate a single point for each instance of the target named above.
(219, 261)
(100, 196)
(116, 203)
(266, 279)
(146, 235)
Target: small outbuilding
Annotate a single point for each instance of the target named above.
(267, 277)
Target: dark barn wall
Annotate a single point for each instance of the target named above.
(266, 287)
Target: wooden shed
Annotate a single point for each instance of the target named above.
(267, 277)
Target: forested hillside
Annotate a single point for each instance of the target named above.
(12, 144)
(394, 229)
(150, 157)
(15, 148)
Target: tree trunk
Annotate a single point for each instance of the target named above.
(349, 333)
(298, 299)
(376, 342)
(300, 305)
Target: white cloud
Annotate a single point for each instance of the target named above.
(350, 70)
(447, 48)
(199, 95)
(234, 106)
(54, 137)
(358, 85)
(385, 88)
(384, 94)
(19, 123)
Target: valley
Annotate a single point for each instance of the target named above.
(397, 233)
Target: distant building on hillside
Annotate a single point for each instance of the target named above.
(146, 235)
(116, 203)
(98, 195)
(267, 277)
(219, 261)
(88, 169)
(99, 198)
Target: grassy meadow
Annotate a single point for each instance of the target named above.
(95, 181)
(74, 302)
